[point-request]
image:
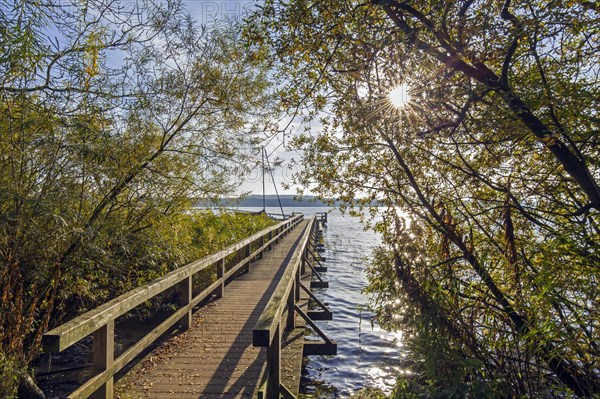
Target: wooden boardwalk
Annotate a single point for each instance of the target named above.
(215, 357)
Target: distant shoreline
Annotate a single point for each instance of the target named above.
(271, 201)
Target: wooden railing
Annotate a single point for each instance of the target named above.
(322, 217)
(101, 321)
(280, 313)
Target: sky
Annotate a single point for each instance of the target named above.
(211, 11)
(207, 11)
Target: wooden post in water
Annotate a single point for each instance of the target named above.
(104, 353)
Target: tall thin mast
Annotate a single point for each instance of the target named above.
(274, 184)
(263, 176)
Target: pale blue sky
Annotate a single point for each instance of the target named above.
(208, 12)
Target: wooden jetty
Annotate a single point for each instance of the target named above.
(232, 347)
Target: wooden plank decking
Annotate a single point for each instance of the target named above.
(215, 358)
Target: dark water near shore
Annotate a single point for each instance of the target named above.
(367, 356)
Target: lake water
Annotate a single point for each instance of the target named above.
(367, 356)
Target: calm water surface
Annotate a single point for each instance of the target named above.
(367, 356)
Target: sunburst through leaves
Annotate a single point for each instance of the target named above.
(399, 95)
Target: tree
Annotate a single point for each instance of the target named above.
(489, 173)
(114, 118)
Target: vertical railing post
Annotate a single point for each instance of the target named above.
(247, 251)
(274, 364)
(270, 243)
(291, 301)
(297, 284)
(311, 253)
(262, 242)
(103, 357)
(303, 265)
(185, 289)
(220, 274)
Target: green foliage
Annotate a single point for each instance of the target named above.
(368, 393)
(114, 119)
(440, 371)
(9, 382)
(488, 178)
(130, 261)
(215, 231)
(409, 388)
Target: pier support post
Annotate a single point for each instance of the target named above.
(185, 289)
(104, 353)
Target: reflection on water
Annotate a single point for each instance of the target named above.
(367, 355)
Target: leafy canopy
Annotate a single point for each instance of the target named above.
(488, 174)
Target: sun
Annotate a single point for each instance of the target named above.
(399, 96)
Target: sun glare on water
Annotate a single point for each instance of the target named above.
(399, 96)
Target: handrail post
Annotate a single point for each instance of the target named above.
(246, 254)
(303, 264)
(291, 301)
(262, 243)
(274, 364)
(185, 289)
(220, 274)
(103, 356)
(297, 285)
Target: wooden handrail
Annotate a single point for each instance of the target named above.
(100, 321)
(270, 326)
(270, 318)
